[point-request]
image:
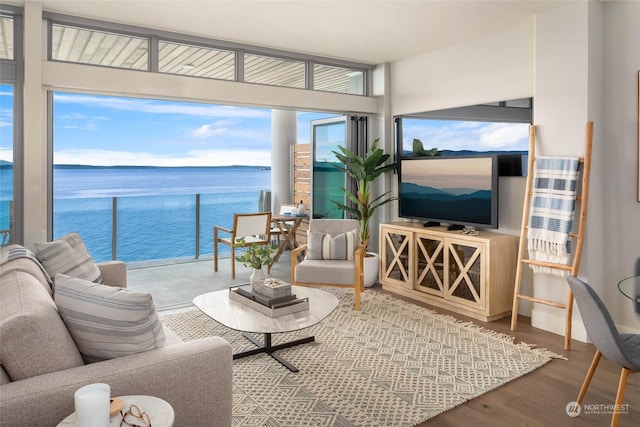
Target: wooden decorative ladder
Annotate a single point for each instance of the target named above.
(581, 197)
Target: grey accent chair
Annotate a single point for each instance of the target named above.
(623, 349)
(330, 272)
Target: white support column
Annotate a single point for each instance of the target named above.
(35, 146)
(284, 133)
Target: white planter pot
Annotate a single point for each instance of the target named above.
(257, 276)
(371, 269)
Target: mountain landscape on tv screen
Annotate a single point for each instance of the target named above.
(447, 204)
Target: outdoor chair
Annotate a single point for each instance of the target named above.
(623, 349)
(253, 227)
(333, 256)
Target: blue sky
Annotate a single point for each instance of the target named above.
(6, 122)
(465, 135)
(107, 131)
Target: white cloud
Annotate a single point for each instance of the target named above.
(157, 107)
(481, 136)
(226, 157)
(218, 127)
(501, 136)
(6, 154)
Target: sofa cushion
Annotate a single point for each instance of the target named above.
(68, 255)
(19, 258)
(325, 246)
(35, 340)
(107, 322)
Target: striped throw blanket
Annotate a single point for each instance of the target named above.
(551, 216)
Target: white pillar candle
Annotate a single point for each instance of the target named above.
(92, 405)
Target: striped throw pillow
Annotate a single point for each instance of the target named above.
(325, 246)
(69, 256)
(107, 322)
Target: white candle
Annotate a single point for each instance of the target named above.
(92, 405)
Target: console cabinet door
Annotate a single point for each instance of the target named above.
(430, 264)
(466, 272)
(396, 253)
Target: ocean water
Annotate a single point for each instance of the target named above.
(155, 213)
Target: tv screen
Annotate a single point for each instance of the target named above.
(450, 190)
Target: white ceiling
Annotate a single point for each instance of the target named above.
(368, 31)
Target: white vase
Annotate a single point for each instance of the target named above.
(257, 276)
(371, 269)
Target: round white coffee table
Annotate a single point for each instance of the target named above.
(241, 317)
(160, 412)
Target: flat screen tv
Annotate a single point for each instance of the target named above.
(456, 191)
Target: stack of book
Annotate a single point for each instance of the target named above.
(273, 307)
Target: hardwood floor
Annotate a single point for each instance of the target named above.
(539, 398)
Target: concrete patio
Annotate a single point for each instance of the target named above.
(174, 283)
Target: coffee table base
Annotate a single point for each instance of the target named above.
(266, 347)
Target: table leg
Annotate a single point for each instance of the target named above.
(266, 347)
(288, 234)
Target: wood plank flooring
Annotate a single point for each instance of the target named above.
(540, 398)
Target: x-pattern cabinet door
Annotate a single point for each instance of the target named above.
(466, 272)
(396, 254)
(430, 264)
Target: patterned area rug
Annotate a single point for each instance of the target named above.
(392, 364)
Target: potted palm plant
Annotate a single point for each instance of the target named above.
(364, 170)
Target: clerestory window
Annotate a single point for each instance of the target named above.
(92, 42)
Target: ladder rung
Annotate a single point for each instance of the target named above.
(542, 301)
(576, 198)
(546, 264)
(580, 159)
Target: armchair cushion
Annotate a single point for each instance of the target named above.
(68, 255)
(324, 246)
(329, 272)
(107, 322)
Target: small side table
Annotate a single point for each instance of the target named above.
(160, 412)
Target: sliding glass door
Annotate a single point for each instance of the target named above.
(327, 180)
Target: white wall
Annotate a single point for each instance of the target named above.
(567, 85)
(494, 68)
(563, 59)
(621, 217)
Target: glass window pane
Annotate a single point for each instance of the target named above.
(6, 161)
(519, 103)
(338, 79)
(6, 37)
(187, 60)
(327, 179)
(267, 70)
(99, 48)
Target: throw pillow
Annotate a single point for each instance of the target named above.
(105, 321)
(69, 256)
(325, 246)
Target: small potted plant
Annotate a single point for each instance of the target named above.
(256, 256)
